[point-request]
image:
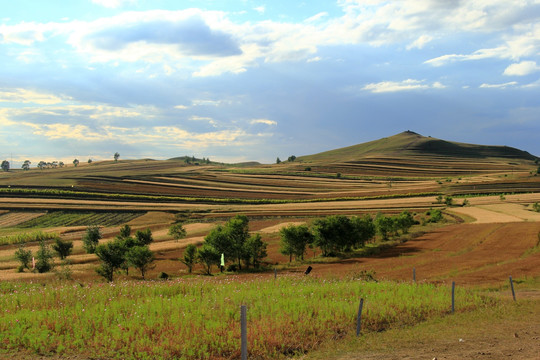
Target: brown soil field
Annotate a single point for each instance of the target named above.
(9, 219)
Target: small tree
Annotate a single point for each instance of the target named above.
(116, 156)
(439, 199)
(63, 248)
(278, 161)
(112, 258)
(207, 255)
(144, 237)
(125, 231)
(5, 165)
(89, 161)
(140, 257)
(76, 162)
(255, 250)
(91, 238)
(295, 240)
(44, 258)
(536, 207)
(291, 158)
(26, 165)
(61, 164)
(448, 200)
(177, 231)
(190, 257)
(384, 225)
(24, 256)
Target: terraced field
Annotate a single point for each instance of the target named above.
(14, 218)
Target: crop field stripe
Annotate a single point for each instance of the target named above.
(67, 218)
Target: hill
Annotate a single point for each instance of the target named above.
(409, 143)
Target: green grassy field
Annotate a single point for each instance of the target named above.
(198, 318)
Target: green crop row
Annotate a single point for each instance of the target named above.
(200, 318)
(131, 197)
(86, 218)
(27, 237)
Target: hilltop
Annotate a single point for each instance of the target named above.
(409, 143)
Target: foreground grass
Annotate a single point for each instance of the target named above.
(199, 318)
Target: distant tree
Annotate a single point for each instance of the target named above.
(435, 215)
(125, 231)
(255, 251)
(140, 257)
(24, 256)
(207, 160)
(338, 175)
(536, 207)
(448, 200)
(144, 237)
(112, 258)
(190, 257)
(207, 255)
(61, 164)
(364, 230)
(76, 162)
(54, 164)
(177, 231)
(26, 165)
(41, 165)
(439, 199)
(291, 158)
(44, 258)
(538, 170)
(5, 165)
(91, 239)
(294, 240)
(62, 248)
(89, 161)
(116, 156)
(404, 221)
(384, 225)
(278, 161)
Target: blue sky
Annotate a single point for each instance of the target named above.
(253, 80)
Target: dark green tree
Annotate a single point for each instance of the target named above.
(116, 156)
(5, 165)
(62, 248)
(190, 257)
(278, 161)
(91, 238)
(125, 231)
(24, 256)
(384, 225)
(26, 165)
(237, 230)
(140, 257)
(207, 255)
(255, 251)
(76, 162)
(364, 230)
(294, 240)
(144, 237)
(44, 258)
(404, 221)
(112, 258)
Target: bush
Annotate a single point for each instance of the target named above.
(24, 257)
(62, 248)
(536, 207)
(91, 239)
(44, 258)
(163, 276)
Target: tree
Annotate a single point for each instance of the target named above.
(44, 258)
(448, 200)
(177, 231)
(5, 165)
(207, 255)
(125, 231)
(255, 251)
(291, 158)
(144, 237)
(89, 161)
(41, 165)
(294, 240)
(237, 230)
(116, 156)
(439, 199)
(61, 164)
(140, 257)
(24, 257)
(75, 162)
(63, 248)
(384, 225)
(112, 258)
(404, 221)
(190, 257)
(26, 165)
(91, 238)
(278, 161)
(364, 229)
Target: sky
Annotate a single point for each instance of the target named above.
(247, 80)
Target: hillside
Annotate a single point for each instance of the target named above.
(409, 143)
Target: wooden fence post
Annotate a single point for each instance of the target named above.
(453, 292)
(359, 318)
(243, 331)
(414, 274)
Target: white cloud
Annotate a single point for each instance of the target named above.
(181, 107)
(260, 9)
(264, 121)
(498, 86)
(406, 85)
(420, 42)
(113, 4)
(521, 69)
(28, 96)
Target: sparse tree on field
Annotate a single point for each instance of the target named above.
(177, 231)
(439, 199)
(364, 230)
(41, 165)
(5, 165)
(278, 161)
(62, 248)
(76, 162)
(26, 165)
(291, 158)
(254, 251)
(207, 255)
(384, 225)
(89, 161)
(116, 156)
(44, 258)
(448, 200)
(125, 231)
(54, 164)
(24, 256)
(294, 240)
(140, 257)
(404, 221)
(190, 257)
(112, 258)
(61, 164)
(91, 239)
(144, 237)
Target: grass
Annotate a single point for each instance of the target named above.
(79, 218)
(195, 319)
(27, 237)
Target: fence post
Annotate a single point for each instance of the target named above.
(243, 327)
(275, 273)
(359, 318)
(453, 292)
(512, 287)
(414, 274)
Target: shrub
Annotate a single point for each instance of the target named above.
(536, 207)
(44, 258)
(63, 248)
(177, 231)
(190, 257)
(140, 257)
(91, 239)
(24, 257)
